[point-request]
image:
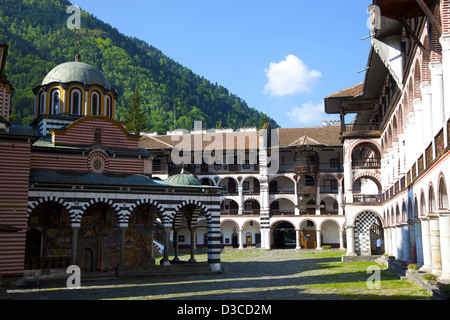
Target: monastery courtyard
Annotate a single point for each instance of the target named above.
(251, 274)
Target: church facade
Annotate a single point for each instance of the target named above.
(76, 189)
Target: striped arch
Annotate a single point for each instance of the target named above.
(349, 152)
(368, 174)
(200, 209)
(34, 204)
(121, 214)
(140, 202)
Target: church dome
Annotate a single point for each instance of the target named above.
(182, 179)
(76, 71)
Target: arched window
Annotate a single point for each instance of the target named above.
(55, 105)
(75, 102)
(95, 103)
(109, 112)
(431, 200)
(443, 199)
(41, 107)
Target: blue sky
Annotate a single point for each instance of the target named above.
(282, 57)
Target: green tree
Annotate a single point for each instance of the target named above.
(135, 116)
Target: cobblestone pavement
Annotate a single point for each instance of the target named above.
(247, 275)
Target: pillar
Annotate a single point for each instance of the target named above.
(241, 238)
(319, 239)
(437, 95)
(348, 181)
(419, 247)
(75, 229)
(406, 245)
(425, 227)
(240, 198)
(192, 230)
(165, 259)
(175, 244)
(425, 88)
(317, 201)
(340, 200)
(399, 244)
(435, 244)
(123, 227)
(387, 240)
(297, 239)
(350, 241)
(445, 43)
(341, 240)
(444, 225)
(394, 251)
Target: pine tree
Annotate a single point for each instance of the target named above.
(135, 116)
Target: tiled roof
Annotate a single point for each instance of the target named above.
(349, 92)
(288, 137)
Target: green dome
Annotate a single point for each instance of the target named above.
(76, 72)
(182, 179)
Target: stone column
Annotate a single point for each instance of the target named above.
(445, 43)
(317, 201)
(387, 240)
(406, 244)
(175, 245)
(419, 247)
(74, 250)
(297, 239)
(319, 239)
(394, 251)
(444, 225)
(192, 230)
(398, 229)
(340, 201)
(241, 198)
(348, 181)
(435, 243)
(350, 241)
(241, 238)
(165, 259)
(427, 127)
(123, 227)
(341, 239)
(437, 96)
(425, 228)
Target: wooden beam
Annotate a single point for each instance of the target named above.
(430, 15)
(416, 39)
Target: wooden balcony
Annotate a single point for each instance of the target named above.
(361, 130)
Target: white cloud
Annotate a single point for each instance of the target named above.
(310, 114)
(290, 76)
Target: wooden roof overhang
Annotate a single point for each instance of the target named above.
(404, 9)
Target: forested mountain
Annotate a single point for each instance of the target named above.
(39, 40)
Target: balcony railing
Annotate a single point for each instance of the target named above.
(282, 212)
(364, 198)
(362, 127)
(366, 163)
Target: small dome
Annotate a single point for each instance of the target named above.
(76, 71)
(182, 179)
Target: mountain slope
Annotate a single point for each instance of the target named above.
(39, 40)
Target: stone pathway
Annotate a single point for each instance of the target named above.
(247, 275)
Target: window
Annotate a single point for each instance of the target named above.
(75, 102)
(41, 109)
(55, 106)
(95, 103)
(246, 186)
(98, 135)
(109, 112)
